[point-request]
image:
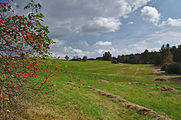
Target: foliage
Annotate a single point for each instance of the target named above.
(67, 57)
(114, 61)
(25, 67)
(76, 59)
(173, 68)
(164, 66)
(107, 56)
(84, 58)
(166, 55)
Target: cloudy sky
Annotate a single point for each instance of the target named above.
(91, 27)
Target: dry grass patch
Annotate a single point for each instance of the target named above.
(138, 109)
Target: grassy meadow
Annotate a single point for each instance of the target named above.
(118, 79)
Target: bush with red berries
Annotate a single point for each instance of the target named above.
(25, 65)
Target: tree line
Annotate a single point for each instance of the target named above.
(169, 58)
(165, 55)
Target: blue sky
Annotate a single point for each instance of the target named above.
(92, 27)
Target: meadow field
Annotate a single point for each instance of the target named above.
(132, 82)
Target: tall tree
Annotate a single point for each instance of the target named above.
(107, 56)
(166, 54)
(66, 57)
(84, 58)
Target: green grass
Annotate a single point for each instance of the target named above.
(82, 103)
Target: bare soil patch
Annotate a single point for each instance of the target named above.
(103, 81)
(155, 71)
(132, 83)
(123, 71)
(116, 73)
(137, 69)
(138, 109)
(164, 88)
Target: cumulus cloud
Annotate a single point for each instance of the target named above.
(171, 23)
(113, 51)
(101, 43)
(74, 52)
(163, 37)
(58, 42)
(154, 41)
(67, 17)
(138, 47)
(150, 14)
(138, 3)
(102, 24)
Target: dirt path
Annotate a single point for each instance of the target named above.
(138, 109)
(137, 69)
(116, 73)
(123, 71)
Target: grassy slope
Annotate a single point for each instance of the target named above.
(84, 104)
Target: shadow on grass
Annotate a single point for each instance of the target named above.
(175, 80)
(157, 74)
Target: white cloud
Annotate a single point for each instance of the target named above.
(101, 43)
(138, 47)
(171, 23)
(74, 52)
(138, 3)
(102, 24)
(153, 42)
(112, 50)
(67, 17)
(130, 23)
(163, 37)
(83, 43)
(150, 14)
(58, 42)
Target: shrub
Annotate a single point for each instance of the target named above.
(24, 42)
(173, 68)
(26, 65)
(84, 58)
(163, 67)
(114, 61)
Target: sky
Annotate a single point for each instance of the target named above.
(92, 27)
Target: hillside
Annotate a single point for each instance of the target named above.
(131, 82)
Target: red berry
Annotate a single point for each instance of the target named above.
(8, 111)
(9, 18)
(13, 28)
